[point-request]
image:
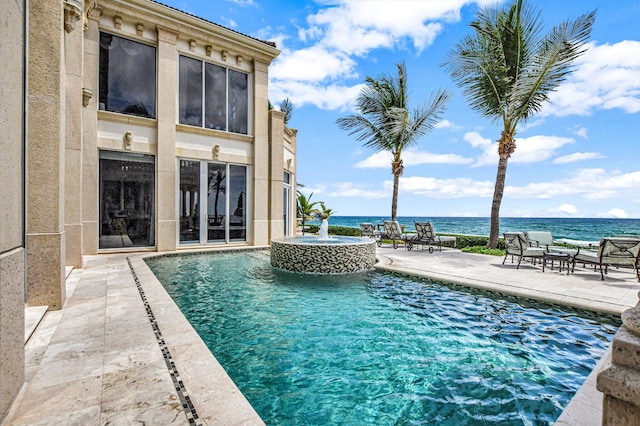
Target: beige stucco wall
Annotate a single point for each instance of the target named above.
(12, 253)
(174, 34)
(73, 54)
(45, 136)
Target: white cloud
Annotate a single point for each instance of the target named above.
(568, 209)
(577, 156)
(446, 188)
(410, 157)
(351, 190)
(311, 65)
(582, 132)
(345, 29)
(357, 26)
(605, 77)
(333, 97)
(533, 149)
(446, 124)
(617, 213)
(593, 184)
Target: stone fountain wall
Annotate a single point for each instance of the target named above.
(620, 382)
(318, 258)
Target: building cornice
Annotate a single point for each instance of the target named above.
(189, 27)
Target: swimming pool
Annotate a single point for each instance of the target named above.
(377, 348)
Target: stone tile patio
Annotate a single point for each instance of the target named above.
(120, 352)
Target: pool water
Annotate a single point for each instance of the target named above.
(381, 349)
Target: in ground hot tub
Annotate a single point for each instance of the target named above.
(333, 255)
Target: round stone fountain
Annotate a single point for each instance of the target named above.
(318, 255)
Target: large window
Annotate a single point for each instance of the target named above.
(127, 200)
(127, 76)
(217, 94)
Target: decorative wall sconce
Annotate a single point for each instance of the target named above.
(139, 29)
(117, 22)
(127, 139)
(224, 55)
(208, 49)
(239, 59)
(192, 45)
(87, 94)
(215, 151)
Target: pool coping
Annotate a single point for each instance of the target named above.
(215, 397)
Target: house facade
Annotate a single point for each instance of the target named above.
(129, 126)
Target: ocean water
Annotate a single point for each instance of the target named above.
(562, 229)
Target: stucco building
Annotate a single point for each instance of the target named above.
(128, 125)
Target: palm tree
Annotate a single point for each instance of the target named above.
(286, 106)
(324, 212)
(507, 70)
(385, 122)
(305, 208)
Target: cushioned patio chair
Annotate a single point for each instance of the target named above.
(426, 236)
(392, 231)
(544, 239)
(367, 230)
(622, 252)
(516, 244)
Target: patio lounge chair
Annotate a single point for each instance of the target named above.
(516, 244)
(393, 232)
(367, 230)
(612, 252)
(425, 235)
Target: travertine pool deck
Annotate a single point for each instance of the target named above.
(120, 352)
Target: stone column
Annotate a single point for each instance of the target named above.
(90, 133)
(12, 173)
(261, 154)
(276, 173)
(45, 164)
(620, 382)
(73, 137)
(166, 161)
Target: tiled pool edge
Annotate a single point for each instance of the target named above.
(183, 394)
(214, 395)
(531, 294)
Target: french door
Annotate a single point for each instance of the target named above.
(212, 202)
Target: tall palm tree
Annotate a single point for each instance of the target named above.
(305, 208)
(385, 122)
(507, 70)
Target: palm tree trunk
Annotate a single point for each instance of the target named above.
(498, 191)
(394, 199)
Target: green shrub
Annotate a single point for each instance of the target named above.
(344, 230)
(483, 250)
(462, 241)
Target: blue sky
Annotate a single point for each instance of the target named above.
(579, 157)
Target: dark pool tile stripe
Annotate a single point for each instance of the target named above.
(189, 410)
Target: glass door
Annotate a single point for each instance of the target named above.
(189, 201)
(216, 202)
(127, 200)
(212, 202)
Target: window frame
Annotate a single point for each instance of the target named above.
(205, 104)
(154, 115)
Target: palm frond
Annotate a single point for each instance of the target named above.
(551, 64)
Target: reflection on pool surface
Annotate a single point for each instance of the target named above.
(377, 348)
